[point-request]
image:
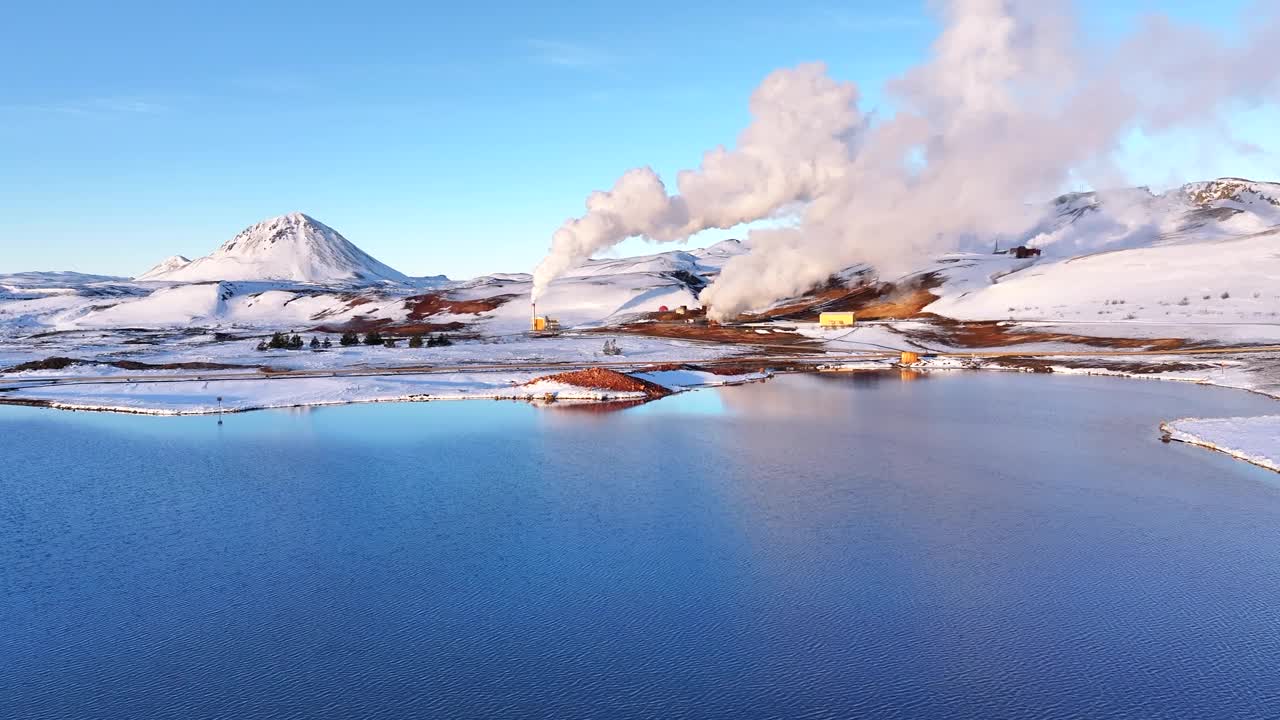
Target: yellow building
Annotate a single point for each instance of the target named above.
(544, 324)
(836, 319)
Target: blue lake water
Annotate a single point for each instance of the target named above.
(968, 545)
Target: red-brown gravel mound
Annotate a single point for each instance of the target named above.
(602, 379)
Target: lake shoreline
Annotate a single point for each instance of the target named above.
(528, 390)
(533, 391)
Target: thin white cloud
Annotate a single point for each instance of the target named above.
(92, 107)
(568, 55)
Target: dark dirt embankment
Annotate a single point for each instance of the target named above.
(1132, 367)
(995, 334)
(426, 305)
(62, 363)
(774, 341)
(717, 367)
(417, 320)
(603, 379)
(875, 301)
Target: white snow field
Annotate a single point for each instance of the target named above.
(1253, 439)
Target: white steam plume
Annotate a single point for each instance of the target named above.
(1009, 110)
(797, 144)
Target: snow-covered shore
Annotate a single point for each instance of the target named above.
(201, 397)
(1252, 439)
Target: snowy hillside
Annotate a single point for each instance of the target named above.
(293, 247)
(1233, 280)
(1134, 217)
(1207, 252)
(703, 262)
(168, 265)
(51, 281)
(605, 290)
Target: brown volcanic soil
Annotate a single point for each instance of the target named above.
(882, 301)
(992, 334)
(1135, 367)
(602, 379)
(61, 363)
(776, 341)
(383, 325)
(421, 306)
(715, 367)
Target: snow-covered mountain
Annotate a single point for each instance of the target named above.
(1206, 252)
(168, 265)
(1135, 217)
(703, 262)
(293, 247)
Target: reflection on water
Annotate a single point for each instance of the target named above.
(959, 545)
(588, 407)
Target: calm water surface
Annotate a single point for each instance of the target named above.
(963, 546)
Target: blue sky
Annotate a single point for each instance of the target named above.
(441, 138)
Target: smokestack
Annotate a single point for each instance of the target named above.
(1011, 108)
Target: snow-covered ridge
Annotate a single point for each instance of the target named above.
(1083, 222)
(1237, 190)
(168, 265)
(54, 279)
(293, 247)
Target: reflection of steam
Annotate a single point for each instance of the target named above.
(1010, 109)
(804, 395)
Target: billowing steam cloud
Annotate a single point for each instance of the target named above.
(798, 145)
(1010, 108)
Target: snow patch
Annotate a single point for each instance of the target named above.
(1253, 439)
